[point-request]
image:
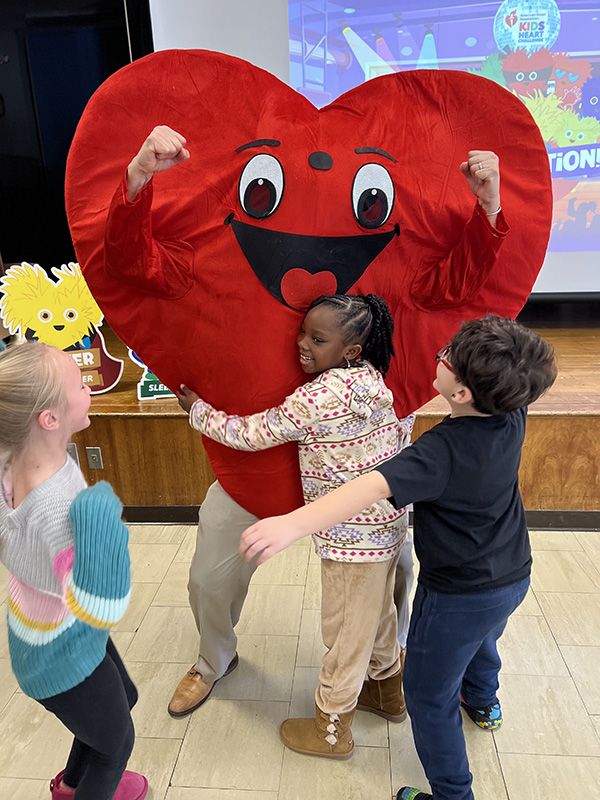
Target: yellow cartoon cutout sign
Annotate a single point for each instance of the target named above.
(61, 313)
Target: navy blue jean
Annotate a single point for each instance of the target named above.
(97, 712)
(452, 649)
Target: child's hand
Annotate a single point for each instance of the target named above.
(186, 398)
(268, 537)
(482, 173)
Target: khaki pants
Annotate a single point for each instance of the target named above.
(219, 579)
(359, 624)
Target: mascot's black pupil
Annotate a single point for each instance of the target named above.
(372, 208)
(259, 198)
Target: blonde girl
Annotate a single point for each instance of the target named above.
(65, 548)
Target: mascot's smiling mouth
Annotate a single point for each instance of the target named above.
(297, 269)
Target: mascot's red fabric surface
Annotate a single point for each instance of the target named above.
(268, 213)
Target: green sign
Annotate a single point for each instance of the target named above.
(150, 387)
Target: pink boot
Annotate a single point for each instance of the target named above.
(59, 792)
(132, 786)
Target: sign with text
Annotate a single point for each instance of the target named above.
(575, 162)
(61, 313)
(149, 386)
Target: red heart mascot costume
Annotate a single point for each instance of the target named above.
(206, 270)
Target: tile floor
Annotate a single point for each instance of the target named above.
(548, 747)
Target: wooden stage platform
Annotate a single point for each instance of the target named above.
(158, 467)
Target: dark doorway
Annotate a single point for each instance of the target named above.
(53, 56)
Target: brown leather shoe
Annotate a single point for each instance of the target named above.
(192, 691)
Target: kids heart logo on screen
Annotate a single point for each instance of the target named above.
(528, 25)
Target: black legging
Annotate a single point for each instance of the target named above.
(97, 712)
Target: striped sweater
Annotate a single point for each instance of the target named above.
(66, 550)
(344, 423)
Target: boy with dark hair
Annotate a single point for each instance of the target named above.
(470, 538)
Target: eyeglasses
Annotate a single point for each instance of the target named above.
(443, 357)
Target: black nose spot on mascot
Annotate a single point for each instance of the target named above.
(320, 160)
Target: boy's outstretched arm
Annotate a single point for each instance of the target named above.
(268, 536)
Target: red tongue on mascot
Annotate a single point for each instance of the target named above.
(299, 288)
(206, 275)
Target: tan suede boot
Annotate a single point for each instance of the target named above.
(384, 698)
(325, 735)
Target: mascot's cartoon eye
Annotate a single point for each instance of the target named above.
(44, 315)
(70, 314)
(372, 195)
(580, 137)
(593, 101)
(261, 186)
(533, 76)
(569, 134)
(520, 76)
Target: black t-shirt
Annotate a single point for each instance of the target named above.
(469, 524)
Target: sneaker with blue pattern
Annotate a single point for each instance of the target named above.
(408, 793)
(489, 717)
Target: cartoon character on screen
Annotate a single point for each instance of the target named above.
(575, 130)
(546, 111)
(277, 204)
(526, 73)
(559, 126)
(590, 98)
(61, 313)
(570, 75)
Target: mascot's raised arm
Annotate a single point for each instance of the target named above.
(393, 189)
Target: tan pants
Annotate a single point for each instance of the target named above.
(219, 579)
(359, 624)
(218, 585)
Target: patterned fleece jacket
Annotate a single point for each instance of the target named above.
(345, 425)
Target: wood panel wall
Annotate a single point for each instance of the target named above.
(153, 458)
(149, 461)
(159, 461)
(560, 466)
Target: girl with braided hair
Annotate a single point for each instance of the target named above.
(344, 423)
